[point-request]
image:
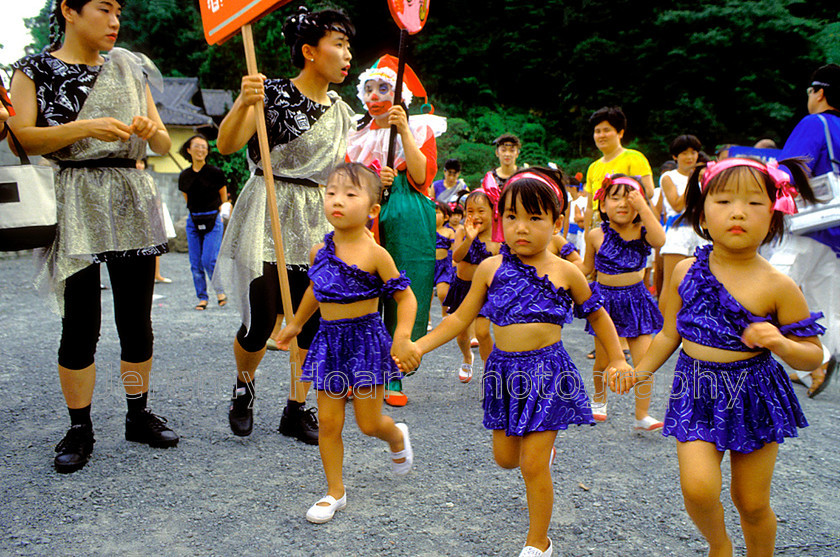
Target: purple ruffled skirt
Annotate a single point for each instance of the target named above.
(443, 270)
(536, 390)
(632, 309)
(739, 406)
(350, 353)
(457, 292)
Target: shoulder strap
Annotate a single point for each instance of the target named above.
(834, 164)
(24, 159)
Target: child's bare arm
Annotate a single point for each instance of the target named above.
(803, 353)
(667, 340)
(466, 312)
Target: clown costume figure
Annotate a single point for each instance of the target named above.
(406, 225)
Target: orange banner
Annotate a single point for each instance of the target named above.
(222, 19)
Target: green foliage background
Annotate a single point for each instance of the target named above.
(728, 71)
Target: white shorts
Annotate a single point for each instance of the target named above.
(682, 240)
(814, 268)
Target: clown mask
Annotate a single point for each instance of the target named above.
(378, 97)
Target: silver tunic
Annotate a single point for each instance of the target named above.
(248, 240)
(103, 209)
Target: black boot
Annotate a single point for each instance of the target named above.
(145, 427)
(75, 449)
(241, 411)
(300, 423)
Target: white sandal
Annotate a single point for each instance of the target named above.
(531, 551)
(318, 514)
(402, 468)
(465, 373)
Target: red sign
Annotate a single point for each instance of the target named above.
(410, 15)
(222, 19)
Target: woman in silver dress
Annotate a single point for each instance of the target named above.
(307, 130)
(93, 115)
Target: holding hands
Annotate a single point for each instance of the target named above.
(406, 355)
(621, 376)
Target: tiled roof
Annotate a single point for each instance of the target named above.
(217, 102)
(174, 105)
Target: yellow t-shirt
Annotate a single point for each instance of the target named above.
(629, 162)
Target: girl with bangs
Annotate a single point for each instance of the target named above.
(619, 250)
(532, 388)
(732, 310)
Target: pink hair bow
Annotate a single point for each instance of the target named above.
(376, 166)
(601, 194)
(785, 191)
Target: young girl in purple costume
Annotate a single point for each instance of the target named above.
(472, 245)
(731, 309)
(531, 386)
(349, 272)
(618, 250)
(443, 252)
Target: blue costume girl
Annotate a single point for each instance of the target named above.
(531, 387)
(730, 309)
(349, 273)
(443, 267)
(618, 251)
(472, 245)
(351, 352)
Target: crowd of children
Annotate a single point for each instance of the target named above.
(509, 278)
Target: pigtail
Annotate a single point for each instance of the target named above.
(694, 199)
(800, 178)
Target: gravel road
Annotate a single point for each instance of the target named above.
(616, 492)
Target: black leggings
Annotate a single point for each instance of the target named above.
(266, 304)
(132, 283)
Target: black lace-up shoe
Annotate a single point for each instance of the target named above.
(241, 412)
(145, 427)
(301, 424)
(74, 450)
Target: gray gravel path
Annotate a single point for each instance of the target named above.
(616, 492)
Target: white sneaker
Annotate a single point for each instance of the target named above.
(402, 468)
(465, 373)
(531, 551)
(599, 411)
(318, 514)
(648, 423)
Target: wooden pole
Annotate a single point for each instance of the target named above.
(392, 138)
(271, 202)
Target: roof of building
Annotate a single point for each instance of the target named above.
(174, 104)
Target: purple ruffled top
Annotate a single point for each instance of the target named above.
(518, 295)
(617, 255)
(442, 242)
(567, 249)
(478, 252)
(711, 316)
(336, 282)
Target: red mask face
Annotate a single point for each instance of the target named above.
(379, 97)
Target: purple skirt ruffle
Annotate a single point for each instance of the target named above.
(443, 270)
(457, 292)
(632, 309)
(536, 390)
(739, 406)
(350, 353)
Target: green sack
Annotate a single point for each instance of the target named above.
(407, 230)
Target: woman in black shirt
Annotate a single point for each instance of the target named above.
(204, 187)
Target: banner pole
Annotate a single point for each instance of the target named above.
(271, 201)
